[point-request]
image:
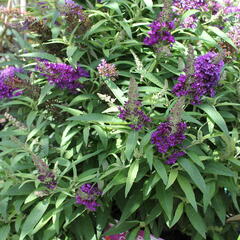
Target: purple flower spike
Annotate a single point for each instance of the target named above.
(87, 195)
(167, 136)
(203, 81)
(160, 31)
(8, 80)
(132, 112)
(61, 74)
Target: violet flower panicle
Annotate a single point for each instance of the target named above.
(8, 80)
(62, 75)
(87, 195)
(206, 75)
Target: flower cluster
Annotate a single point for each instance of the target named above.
(61, 74)
(167, 136)
(107, 70)
(160, 31)
(87, 195)
(132, 112)
(45, 175)
(189, 4)
(203, 81)
(74, 14)
(8, 82)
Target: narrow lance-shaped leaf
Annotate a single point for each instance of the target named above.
(132, 173)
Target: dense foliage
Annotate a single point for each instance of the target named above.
(122, 112)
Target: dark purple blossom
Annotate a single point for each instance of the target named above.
(61, 74)
(132, 113)
(87, 195)
(174, 157)
(8, 79)
(203, 81)
(168, 136)
(160, 31)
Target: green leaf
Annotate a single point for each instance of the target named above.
(171, 69)
(148, 154)
(154, 213)
(41, 55)
(116, 91)
(196, 220)
(4, 232)
(221, 34)
(218, 169)
(149, 4)
(215, 116)
(172, 177)
(86, 134)
(121, 227)
(220, 208)
(102, 135)
(132, 173)
(161, 170)
(165, 197)
(208, 194)
(126, 28)
(44, 91)
(151, 77)
(87, 227)
(33, 218)
(133, 234)
(149, 184)
(60, 199)
(71, 50)
(188, 13)
(131, 143)
(188, 190)
(194, 173)
(114, 6)
(96, 117)
(178, 214)
(118, 179)
(81, 98)
(195, 158)
(132, 204)
(94, 28)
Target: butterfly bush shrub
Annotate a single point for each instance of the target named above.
(119, 119)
